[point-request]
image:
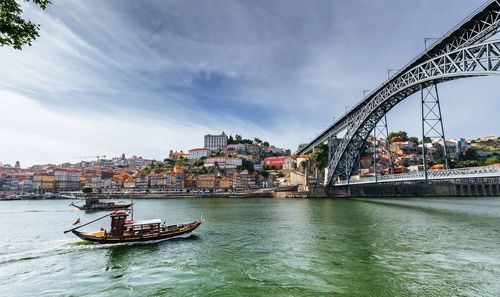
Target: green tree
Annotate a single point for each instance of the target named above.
(321, 159)
(257, 140)
(469, 154)
(427, 140)
(14, 30)
(237, 138)
(248, 165)
(265, 143)
(402, 134)
(492, 160)
(471, 163)
(87, 190)
(169, 161)
(413, 139)
(269, 167)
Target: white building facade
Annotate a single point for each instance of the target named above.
(223, 162)
(198, 153)
(216, 142)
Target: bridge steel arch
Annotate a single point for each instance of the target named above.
(472, 61)
(477, 27)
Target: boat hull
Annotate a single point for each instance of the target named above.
(162, 235)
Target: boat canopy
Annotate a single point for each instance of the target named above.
(145, 222)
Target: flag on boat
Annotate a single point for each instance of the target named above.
(77, 221)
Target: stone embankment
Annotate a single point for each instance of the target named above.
(407, 190)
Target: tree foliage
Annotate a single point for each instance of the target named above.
(469, 154)
(413, 139)
(401, 134)
(471, 163)
(239, 139)
(269, 167)
(427, 140)
(169, 161)
(492, 160)
(321, 159)
(14, 30)
(87, 190)
(247, 165)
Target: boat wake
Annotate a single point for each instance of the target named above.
(60, 247)
(54, 248)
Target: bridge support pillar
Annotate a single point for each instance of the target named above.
(331, 143)
(432, 121)
(381, 130)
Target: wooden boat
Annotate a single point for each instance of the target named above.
(123, 230)
(93, 204)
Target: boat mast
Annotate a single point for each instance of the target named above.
(88, 223)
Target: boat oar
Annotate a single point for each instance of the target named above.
(87, 223)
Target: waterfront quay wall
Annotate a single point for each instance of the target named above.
(290, 194)
(412, 190)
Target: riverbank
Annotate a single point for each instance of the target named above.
(262, 193)
(347, 191)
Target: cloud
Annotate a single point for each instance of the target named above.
(40, 133)
(144, 77)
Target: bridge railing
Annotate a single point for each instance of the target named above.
(470, 172)
(484, 171)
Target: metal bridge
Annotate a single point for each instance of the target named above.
(461, 53)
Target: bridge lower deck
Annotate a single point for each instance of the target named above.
(422, 189)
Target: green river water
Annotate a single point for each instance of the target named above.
(261, 247)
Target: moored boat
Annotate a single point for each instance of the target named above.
(124, 230)
(94, 204)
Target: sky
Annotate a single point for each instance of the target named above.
(145, 77)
